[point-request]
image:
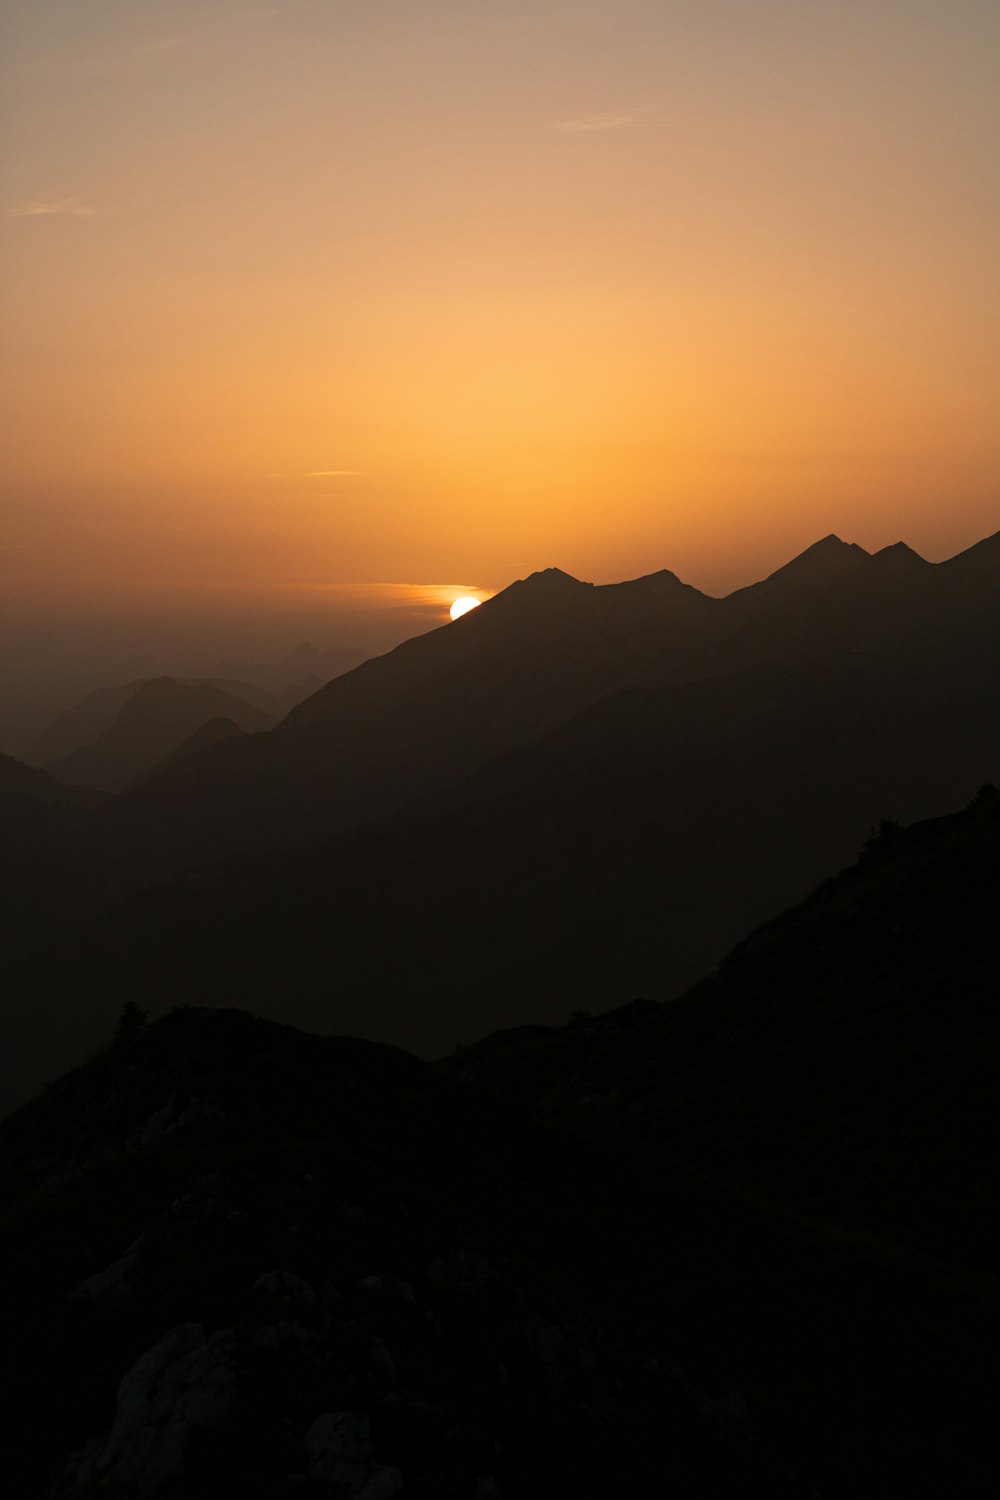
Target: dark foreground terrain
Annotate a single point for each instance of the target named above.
(736, 1245)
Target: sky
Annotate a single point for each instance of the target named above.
(307, 299)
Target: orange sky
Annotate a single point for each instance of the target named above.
(353, 291)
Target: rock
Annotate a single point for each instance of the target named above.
(334, 1436)
(338, 1447)
(175, 1115)
(382, 1366)
(184, 1382)
(113, 1282)
(387, 1286)
(287, 1286)
(283, 1333)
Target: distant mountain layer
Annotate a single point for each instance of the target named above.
(294, 678)
(210, 733)
(80, 725)
(150, 721)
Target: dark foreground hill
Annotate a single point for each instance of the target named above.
(842, 1060)
(737, 1245)
(241, 1260)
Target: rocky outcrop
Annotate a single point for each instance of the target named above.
(184, 1384)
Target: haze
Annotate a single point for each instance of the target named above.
(373, 292)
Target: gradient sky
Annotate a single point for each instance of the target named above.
(362, 291)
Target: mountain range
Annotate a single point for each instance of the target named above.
(574, 794)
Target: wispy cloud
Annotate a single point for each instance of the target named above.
(334, 474)
(624, 119)
(51, 208)
(252, 16)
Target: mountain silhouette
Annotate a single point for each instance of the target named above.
(572, 790)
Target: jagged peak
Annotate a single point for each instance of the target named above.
(899, 554)
(831, 546)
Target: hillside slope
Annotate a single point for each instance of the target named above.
(735, 1245)
(832, 1088)
(841, 1060)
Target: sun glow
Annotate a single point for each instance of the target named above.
(462, 606)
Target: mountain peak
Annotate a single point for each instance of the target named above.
(831, 546)
(548, 586)
(828, 558)
(552, 578)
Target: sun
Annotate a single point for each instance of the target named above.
(462, 606)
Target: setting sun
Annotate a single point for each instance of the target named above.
(462, 606)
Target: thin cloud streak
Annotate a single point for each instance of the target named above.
(627, 119)
(436, 598)
(52, 208)
(334, 474)
(167, 44)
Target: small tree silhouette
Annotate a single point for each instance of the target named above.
(882, 839)
(131, 1024)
